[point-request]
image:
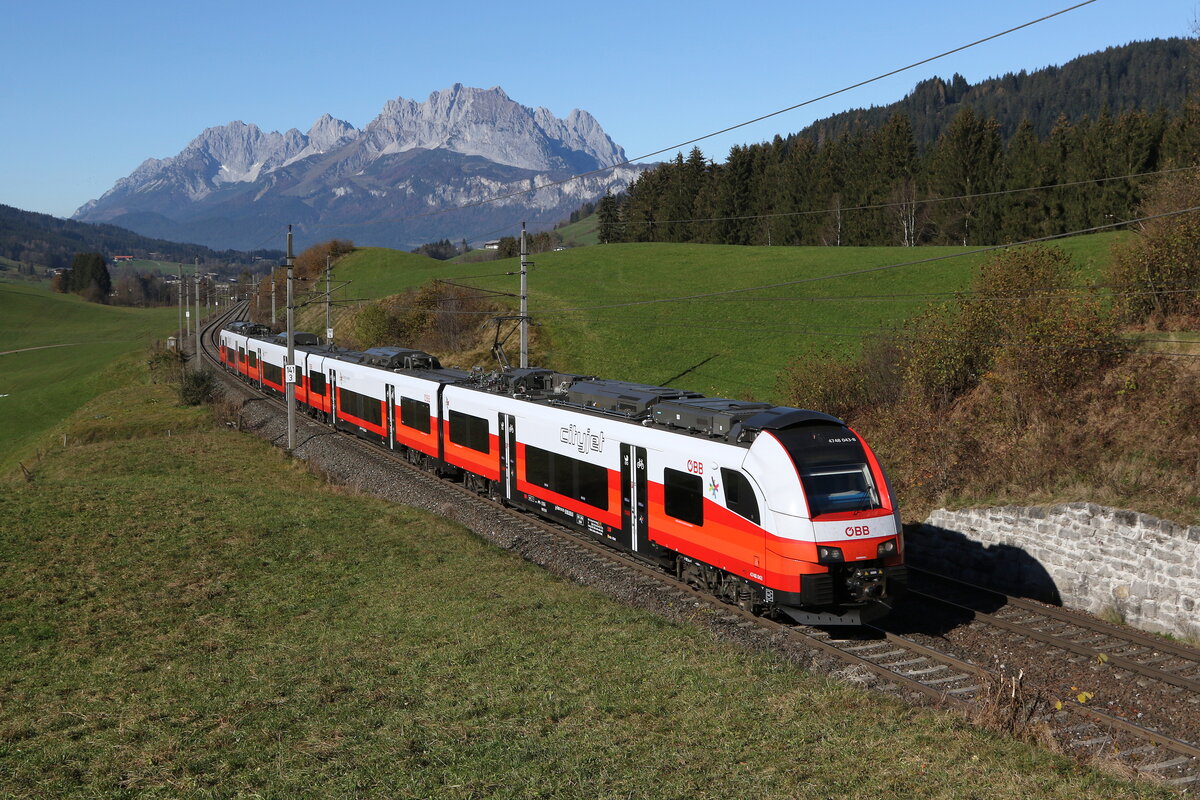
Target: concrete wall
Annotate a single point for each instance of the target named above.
(1082, 555)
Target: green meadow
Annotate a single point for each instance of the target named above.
(601, 312)
(57, 353)
(195, 615)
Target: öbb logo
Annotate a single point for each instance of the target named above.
(858, 530)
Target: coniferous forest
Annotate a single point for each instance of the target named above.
(950, 164)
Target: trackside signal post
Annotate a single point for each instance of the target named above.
(291, 349)
(328, 301)
(197, 312)
(524, 301)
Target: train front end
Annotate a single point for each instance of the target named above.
(834, 553)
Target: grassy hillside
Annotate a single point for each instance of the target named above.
(196, 616)
(732, 345)
(73, 343)
(583, 232)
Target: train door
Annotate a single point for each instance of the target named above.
(333, 401)
(635, 531)
(508, 456)
(389, 395)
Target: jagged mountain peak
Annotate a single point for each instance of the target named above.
(459, 145)
(490, 124)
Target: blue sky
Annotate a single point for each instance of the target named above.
(90, 90)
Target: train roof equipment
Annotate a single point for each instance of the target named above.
(395, 358)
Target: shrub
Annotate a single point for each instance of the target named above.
(165, 365)
(374, 326)
(197, 387)
(1038, 335)
(846, 388)
(1158, 273)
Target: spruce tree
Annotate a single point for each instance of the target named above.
(608, 213)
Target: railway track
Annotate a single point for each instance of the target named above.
(1138, 653)
(892, 662)
(1112, 656)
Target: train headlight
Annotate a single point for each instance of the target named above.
(886, 549)
(829, 555)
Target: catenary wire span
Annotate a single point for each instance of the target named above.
(679, 146)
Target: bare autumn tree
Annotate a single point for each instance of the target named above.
(311, 263)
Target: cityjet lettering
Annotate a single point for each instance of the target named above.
(583, 441)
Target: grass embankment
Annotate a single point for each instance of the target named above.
(76, 342)
(733, 345)
(194, 615)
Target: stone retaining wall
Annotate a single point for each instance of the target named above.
(1085, 556)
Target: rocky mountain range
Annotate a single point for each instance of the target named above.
(388, 184)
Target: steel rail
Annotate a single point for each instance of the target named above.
(1023, 629)
(1129, 634)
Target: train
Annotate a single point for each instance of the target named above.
(785, 512)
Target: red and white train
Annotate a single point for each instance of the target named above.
(781, 510)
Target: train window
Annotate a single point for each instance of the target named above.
(739, 495)
(361, 406)
(585, 482)
(833, 468)
(469, 431)
(683, 496)
(414, 414)
(841, 488)
(272, 373)
(316, 382)
(252, 358)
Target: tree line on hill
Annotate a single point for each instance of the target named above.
(48, 241)
(90, 278)
(1011, 158)
(443, 250)
(1140, 75)
(875, 186)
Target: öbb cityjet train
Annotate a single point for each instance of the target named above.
(782, 511)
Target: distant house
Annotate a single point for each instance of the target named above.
(491, 244)
(122, 258)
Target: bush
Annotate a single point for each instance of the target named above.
(374, 326)
(438, 317)
(846, 388)
(197, 387)
(1038, 335)
(165, 365)
(1156, 275)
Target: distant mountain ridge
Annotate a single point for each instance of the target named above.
(383, 184)
(52, 242)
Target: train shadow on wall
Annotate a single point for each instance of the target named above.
(1000, 567)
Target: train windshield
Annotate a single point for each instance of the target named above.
(833, 468)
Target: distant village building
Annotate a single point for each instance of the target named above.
(122, 258)
(491, 244)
